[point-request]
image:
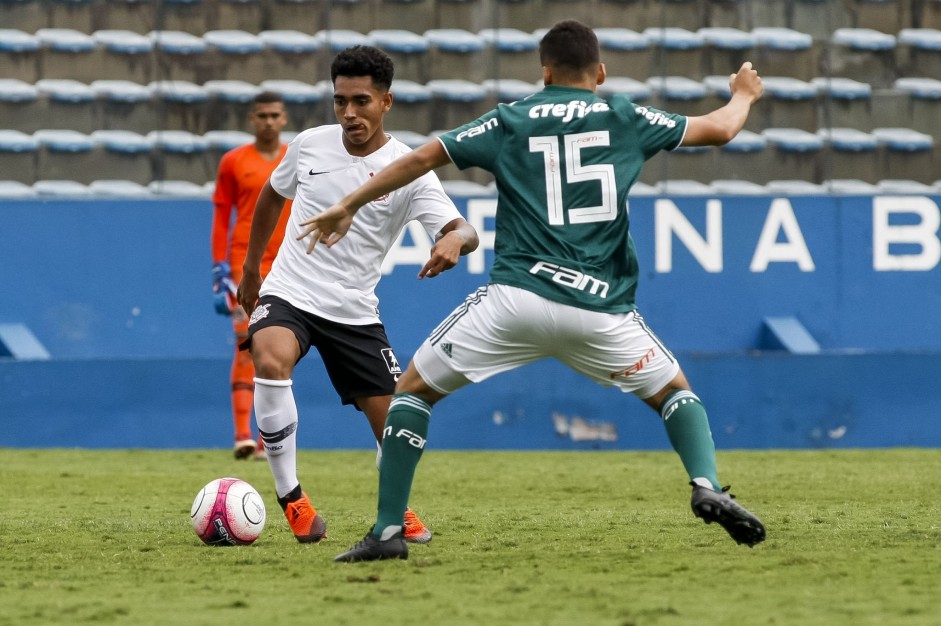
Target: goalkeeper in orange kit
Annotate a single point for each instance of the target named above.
(242, 173)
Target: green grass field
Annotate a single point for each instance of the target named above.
(854, 537)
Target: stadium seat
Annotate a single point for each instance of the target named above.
(221, 141)
(304, 103)
(682, 14)
(411, 107)
(906, 154)
(118, 188)
(68, 53)
(726, 49)
(229, 103)
(624, 52)
(787, 103)
(409, 138)
(552, 11)
(456, 53)
(125, 55)
(851, 154)
(505, 90)
(923, 104)
(18, 156)
(290, 54)
(819, 18)
(183, 105)
(733, 187)
(338, 39)
(794, 187)
(636, 90)
(19, 105)
(686, 162)
(796, 153)
(863, 54)
(234, 54)
(62, 188)
(15, 190)
(905, 186)
(456, 102)
(408, 50)
(843, 101)
(181, 155)
(467, 189)
(137, 16)
(785, 52)
(67, 103)
(353, 15)
(179, 189)
(887, 16)
(616, 14)
(679, 94)
(65, 154)
(918, 52)
(677, 52)
(124, 105)
(684, 187)
(850, 187)
(746, 156)
(414, 15)
(126, 152)
(179, 56)
(511, 53)
(20, 54)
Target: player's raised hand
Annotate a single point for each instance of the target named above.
(746, 81)
(329, 227)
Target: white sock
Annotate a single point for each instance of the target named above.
(704, 482)
(276, 417)
(379, 456)
(388, 531)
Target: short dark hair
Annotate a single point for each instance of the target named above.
(569, 45)
(364, 61)
(267, 97)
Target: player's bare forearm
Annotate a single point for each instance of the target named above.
(456, 239)
(722, 125)
(264, 220)
(333, 224)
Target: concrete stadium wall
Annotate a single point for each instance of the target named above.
(117, 293)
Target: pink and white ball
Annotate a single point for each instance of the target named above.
(228, 512)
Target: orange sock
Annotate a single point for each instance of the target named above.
(243, 394)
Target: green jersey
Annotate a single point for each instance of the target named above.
(564, 160)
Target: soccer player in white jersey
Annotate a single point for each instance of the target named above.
(565, 271)
(327, 299)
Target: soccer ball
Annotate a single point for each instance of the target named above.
(228, 512)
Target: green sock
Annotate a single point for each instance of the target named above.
(402, 444)
(688, 429)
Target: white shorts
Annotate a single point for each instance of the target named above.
(499, 328)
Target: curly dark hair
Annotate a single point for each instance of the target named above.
(364, 61)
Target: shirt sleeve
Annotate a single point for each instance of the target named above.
(430, 205)
(656, 129)
(476, 143)
(223, 199)
(284, 177)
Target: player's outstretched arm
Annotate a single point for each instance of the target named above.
(720, 126)
(333, 224)
(456, 239)
(267, 212)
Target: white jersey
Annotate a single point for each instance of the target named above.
(339, 284)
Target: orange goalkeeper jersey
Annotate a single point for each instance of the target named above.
(242, 174)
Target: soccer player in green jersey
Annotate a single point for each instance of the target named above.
(565, 271)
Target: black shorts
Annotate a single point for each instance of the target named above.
(358, 359)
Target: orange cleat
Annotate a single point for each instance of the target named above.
(415, 530)
(305, 522)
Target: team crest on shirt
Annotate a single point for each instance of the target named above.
(260, 313)
(381, 199)
(391, 362)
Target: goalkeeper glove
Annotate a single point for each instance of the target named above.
(223, 288)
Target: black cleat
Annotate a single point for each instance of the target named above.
(372, 549)
(721, 507)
